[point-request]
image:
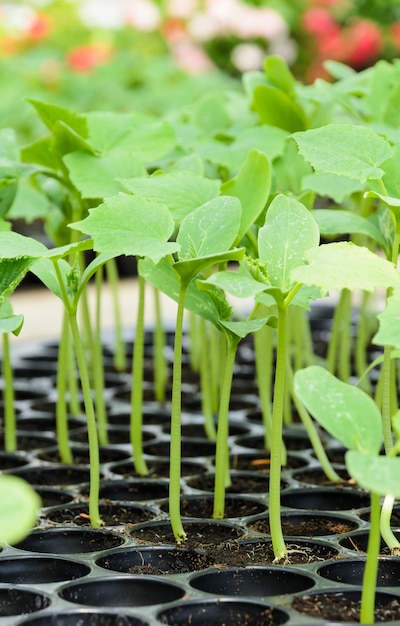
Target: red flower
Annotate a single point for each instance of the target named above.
(84, 58)
(395, 34)
(39, 27)
(319, 22)
(174, 29)
(365, 40)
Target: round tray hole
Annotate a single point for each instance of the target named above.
(121, 591)
(71, 541)
(37, 570)
(221, 612)
(252, 581)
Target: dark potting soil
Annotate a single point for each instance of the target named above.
(338, 607)
(318, 525)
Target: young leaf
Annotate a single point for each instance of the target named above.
(346, 412)
(19, 509)
(12, 271)
(279, 74)
(166, 280)
(96, 177)
(332, 186)
(240, 284)
(10, 323)
(288, 233)
(343, 265)
(130, 225)
(389, 323)
(377, 474)
(276, 108)
(50, 114)
(338, 222)
(345, 149)
(210, 229)
(181, 191)
(252, 186)
(244, 328)
(13, 245)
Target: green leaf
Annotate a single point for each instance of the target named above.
(332, 186)
(210, 229)
(240, 284)
(13, 245)
(279, 73)
(181, 191)
(145, 137)
(276, 108)
(97, 177)
(45, 270)
(389, 323)
(333, 222)
(345, 150)
(10, 323)
(12, 271)
(377, 474)
(8, 191)
(251, 186)
(288, 233)
(190, 268)
(267, 139)
(211, 114)
(244, 328)
(71, 248)
(41, 153)
(164, 278)
(8, 145)
(30, 203)
(344, 265)
(66, 140)
(20, 505)
(346, 412)
(50, 114)
(130, 225)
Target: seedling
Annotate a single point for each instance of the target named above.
(353, 418)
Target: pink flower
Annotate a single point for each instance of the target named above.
(319, 22)
(365, 43)
(191, 58)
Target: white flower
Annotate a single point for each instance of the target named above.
(144, 15)
(182, 9)
(103, 13)
(247, 56)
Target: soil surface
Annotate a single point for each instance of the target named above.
(340, 608)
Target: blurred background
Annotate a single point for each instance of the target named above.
(158, 54)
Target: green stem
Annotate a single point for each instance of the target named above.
(136, 419)
(371, 565)
(386, 399)
(98, 367)
(386, 532)
(279, 547)
(73, 390)
(10, 434)
(337, 330)
(64, 447)
(263, 347)
(160, 363)
(222, 456)
(94, 455)
(119, 346)
(206, 384)
(214, 367)
(175, 445)
(362, 340)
